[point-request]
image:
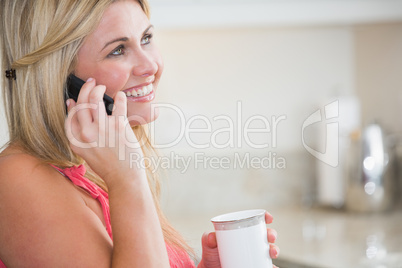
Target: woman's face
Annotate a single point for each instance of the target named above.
(121, 55)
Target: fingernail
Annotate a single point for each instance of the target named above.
(90, 79)
(276, 252)
(275, 235)
(68, 102)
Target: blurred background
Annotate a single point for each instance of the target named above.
(270, 65)
(242, 86)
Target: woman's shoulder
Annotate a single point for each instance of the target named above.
(43, 218)
(15, 164)
(22, 173)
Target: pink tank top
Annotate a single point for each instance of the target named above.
(177, 258)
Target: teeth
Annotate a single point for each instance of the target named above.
(140, 93)
(148, 88)
(145, 90)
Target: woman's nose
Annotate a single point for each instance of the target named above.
(144, 65)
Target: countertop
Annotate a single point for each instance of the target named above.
(322, 238)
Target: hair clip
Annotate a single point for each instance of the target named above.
(10, 74)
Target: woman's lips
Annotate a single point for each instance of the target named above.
(139, 91)
(141, 94)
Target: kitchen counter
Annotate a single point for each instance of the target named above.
(322, 238)
(330, 238)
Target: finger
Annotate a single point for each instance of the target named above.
(71, 118)
(212, 240)
(83, 96)
(274, 266)
(272, 235)
(70, 103)
(71, 122)
(268, 218)
(209, 240)
(204, 240)
(96, 98)
(120, 104)
(273, 251)
(83, 112)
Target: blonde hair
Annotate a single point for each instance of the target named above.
(40, 40)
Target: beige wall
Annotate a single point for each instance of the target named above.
(379, 73)
(273, 72)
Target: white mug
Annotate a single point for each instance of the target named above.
(242, 239)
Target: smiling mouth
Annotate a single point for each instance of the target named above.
(140, 92)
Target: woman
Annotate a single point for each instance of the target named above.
(65, 183)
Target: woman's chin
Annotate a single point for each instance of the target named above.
(143, 119)
(142, 113)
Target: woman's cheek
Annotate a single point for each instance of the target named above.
(113, 80)
(160, 64)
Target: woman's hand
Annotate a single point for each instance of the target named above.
(210, 255)
(106, 143)
(103, 141)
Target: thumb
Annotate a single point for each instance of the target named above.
(70, 103)
(209, 240)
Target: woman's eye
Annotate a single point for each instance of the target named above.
(118, 51)
(146, 39)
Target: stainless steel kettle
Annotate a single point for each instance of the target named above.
(371, 174)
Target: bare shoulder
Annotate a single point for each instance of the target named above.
(42, 218)
(21, 172)
(15, 165)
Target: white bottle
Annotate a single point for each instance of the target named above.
(331, 178)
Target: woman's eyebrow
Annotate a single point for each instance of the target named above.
(125, 39)
(120, 39)
(147, 29)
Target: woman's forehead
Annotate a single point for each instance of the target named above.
(122, 18)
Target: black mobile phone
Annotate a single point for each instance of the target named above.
(74, 85)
